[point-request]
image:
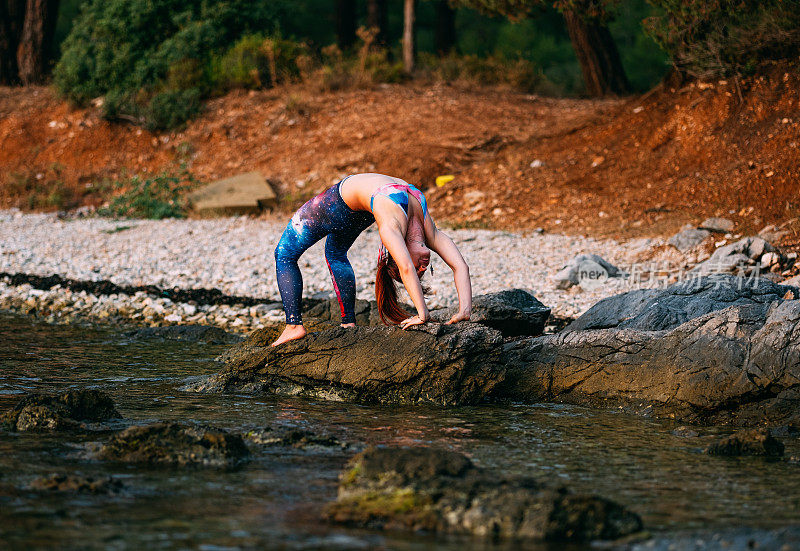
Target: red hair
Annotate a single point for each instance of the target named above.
(389, 309)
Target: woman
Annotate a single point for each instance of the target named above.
(407, 232)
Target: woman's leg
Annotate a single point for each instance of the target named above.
(290, 280)
(344, 279)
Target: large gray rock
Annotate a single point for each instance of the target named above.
(436, 364)
(514, 312)
(739, 365)
(584, 269)
(658, 309)
(438, 490)
(688, 238)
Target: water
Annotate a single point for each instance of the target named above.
(275, 500)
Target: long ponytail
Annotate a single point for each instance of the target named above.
(389, 308)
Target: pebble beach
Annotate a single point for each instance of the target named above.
(235, 255)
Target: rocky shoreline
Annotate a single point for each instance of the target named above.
(720, 350)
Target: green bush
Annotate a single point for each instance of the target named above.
(149, 58)
(155, 198)
(257, 61)
(711, 38)
(334, 70)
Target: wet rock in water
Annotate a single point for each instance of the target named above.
(514, 312)
(737, 365)
(584, 265)
(189, 333)
(434, 364)
(59, 412)
(78, 484)
(442, 491)
(301, 439)
(748, 442)
(688, 238)
(685, 432)
(659, 309)
(175, 444)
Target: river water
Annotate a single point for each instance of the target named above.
(274, 501)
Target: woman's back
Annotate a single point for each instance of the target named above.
(359, 191)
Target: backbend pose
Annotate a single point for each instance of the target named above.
(407, 232)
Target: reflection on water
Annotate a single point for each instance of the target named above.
(275, 500)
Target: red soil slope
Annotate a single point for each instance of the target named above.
(635, 166)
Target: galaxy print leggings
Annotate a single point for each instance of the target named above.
(325, 215)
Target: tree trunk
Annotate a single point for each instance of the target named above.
(345, 23)
(378, 18)
(12, 14)
(445, 36)
(598, 55)
(408, 35)
(36, 43)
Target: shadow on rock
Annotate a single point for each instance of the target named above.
(442, 491)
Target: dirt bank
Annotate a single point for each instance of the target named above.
(642, 165)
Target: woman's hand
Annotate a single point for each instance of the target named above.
(460, 316)
(413, 320)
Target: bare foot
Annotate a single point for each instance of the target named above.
(348, 325)
(292, 332)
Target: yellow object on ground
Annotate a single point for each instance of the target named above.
(442, 180)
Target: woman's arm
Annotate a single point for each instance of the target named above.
(441, 243)
(392, 236)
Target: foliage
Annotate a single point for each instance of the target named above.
(155, 198)
(519, 9)
(517, 73)
(257, 61)
(335, 70)
(45, 189)
(709, 38)
(137, 53)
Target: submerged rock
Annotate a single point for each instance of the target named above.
(442, 491)
(514, 312)
(175, 444)
(748, 442)
(59, 412)
(189, 333)
(435, 364)
(78, 484)
(300, 439)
